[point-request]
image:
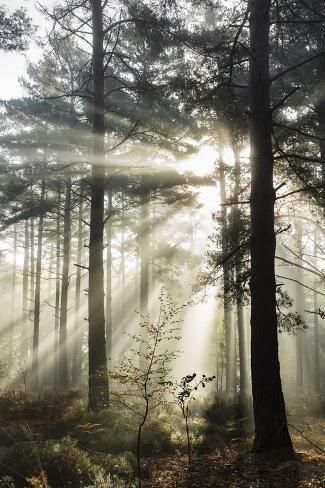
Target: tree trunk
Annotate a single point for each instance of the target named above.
(24, 335)
(13, 298)
(227, 308)
(300, 307)
(63, 360)
(271, 431)
(77, 343)
(109, 324)
(37, 306)
(32, 284)
(144, 239)
(98, 380)
(123, 257)
(317, 378)
(243, 354)
(57, 294)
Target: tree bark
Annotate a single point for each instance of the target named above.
(13, 298)
(37, 306)
(77, 342)
(300, 306)
(24, 334)
(144, 240)
(57, 293)
(109, 321)
(32, 283)
(243, 354)
(63, 359)
(271, 431)
(227, 307)
(317, 374)
(98, 380)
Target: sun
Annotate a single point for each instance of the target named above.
(202, 163)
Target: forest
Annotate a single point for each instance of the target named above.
(162, 244)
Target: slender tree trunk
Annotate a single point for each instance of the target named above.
(63, 359)
(271, 431)
(227, 307)
(98, 380)
(243, 354)
(37, 307)
(32, 284)
(144, 242)
(13, 298)
(317, 375)
(300, 306)
(144, 239)
(123, 258)
(109, 322)
(57, 294)
(77, 343)
(24, 335)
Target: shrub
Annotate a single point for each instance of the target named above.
(103, 481)
(65, 465)
(123, 466)
(7, 482)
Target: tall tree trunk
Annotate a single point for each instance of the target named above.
(271, 431)
(317, 375)
(32, 284)
(243, 354)
(63, 360)
(123, 258)
(227, 308)
(144, 243)
(300, 306)
(144, 240)
(98, 380)
(57, 293)
(13, 298)
(24, 334)
(109, 323)
(77, 343)
(37, 306)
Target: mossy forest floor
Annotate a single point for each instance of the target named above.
(52, 441)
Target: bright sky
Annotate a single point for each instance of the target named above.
(12, 65)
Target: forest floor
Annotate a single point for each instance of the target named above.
(235, 466)
(230, 469)
(222, 459)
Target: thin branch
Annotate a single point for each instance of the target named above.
(300, 283)
(296, 66)
(320, 275)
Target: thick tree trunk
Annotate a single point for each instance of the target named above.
(98, 380)
(37, 306)
(109, 321)
(63, 359)
(271, 431)
(230, 336)
(77, 343)
(24, 334)
(57, 294)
